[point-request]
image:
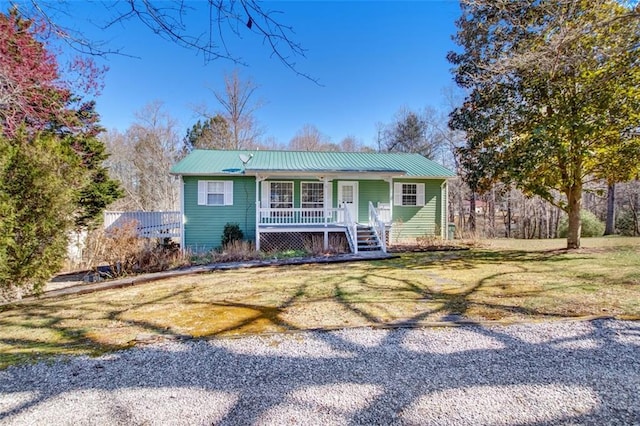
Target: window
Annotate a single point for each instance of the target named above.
(312, 197)
(408, 194)
(215, 193)
(281, 195)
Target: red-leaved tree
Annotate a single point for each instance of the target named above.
(32, 92)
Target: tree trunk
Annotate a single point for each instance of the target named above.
(610, 228)
(492, 213)
(574, 198)
(508, 229)
(472, 212)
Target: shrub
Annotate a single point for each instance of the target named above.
(338, 243)
(627, 224)
(126, 253)
(314, 244)
(36, 211)
(122, 247)
(236, 251)
(231, 233)
(591, 225)
(159, 255)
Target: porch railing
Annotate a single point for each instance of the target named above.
(352, 229)
(300, 216)
(378, 225)
(305, 217)
(384, 212)
(148, 224)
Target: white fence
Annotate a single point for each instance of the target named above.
(149, 224)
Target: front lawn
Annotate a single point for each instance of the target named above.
(505, 280)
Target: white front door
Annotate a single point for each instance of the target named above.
(348, 196)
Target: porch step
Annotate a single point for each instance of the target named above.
(367, 240)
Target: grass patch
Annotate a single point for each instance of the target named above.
(508, 280)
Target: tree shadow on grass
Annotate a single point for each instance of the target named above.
(377, 293)
(395, 376)
(472, 258)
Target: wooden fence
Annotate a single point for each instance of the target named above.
(149, 224)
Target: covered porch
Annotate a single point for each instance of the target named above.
(369, 236)
(311, 208)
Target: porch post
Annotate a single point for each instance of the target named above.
(257, 213)
(325, 194)
(390, 180)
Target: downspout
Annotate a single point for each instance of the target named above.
(444, 211)
(257, 213)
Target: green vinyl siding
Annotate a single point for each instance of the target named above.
(416, 221)
(376, 191)
(204, 225)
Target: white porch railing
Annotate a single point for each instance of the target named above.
(149, 224)
(378, 225)
(384, 212)
(306, 217)
(299, 216)
(352, 230)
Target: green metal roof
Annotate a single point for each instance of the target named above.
(210, 162)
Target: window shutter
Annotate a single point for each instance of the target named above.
(397, 194)
(264, 199)
(228, 192)
(420, 194)
(202, 192)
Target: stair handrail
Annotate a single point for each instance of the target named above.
(378, 225)
(352, 229)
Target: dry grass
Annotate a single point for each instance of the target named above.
(508, 280)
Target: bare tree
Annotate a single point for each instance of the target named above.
(217, 22)
(628, 206)
(121, 168)
(309, 138)
(141, 159)
(238, 109)
(350, 144)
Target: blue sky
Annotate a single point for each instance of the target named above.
(371, 58)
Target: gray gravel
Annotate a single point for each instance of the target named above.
(545, 373)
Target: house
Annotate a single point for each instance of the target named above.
(481, 207)
(289, 199)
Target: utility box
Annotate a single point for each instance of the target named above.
(451, 234)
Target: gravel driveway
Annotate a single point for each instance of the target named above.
(545, 373)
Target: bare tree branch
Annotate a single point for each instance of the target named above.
(167, 19)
